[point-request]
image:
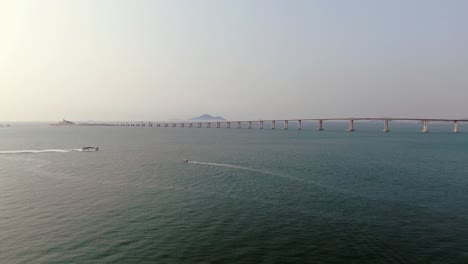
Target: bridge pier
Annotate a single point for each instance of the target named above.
(320, 127)
(425, 126)
(351, 125)
(386, 129)
(261, 123)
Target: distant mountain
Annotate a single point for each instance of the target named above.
(64, 123)
(207, 117)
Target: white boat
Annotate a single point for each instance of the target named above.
(90, 148)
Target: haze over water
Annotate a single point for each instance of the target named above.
(247, 196)
(244, 59)
(188, 195)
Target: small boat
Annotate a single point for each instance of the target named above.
(185, 160)
(90, 148)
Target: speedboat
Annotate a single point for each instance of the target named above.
(185, 160)
(90, 148)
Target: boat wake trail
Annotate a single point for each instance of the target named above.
(6, 152)
(285, 176)
(241, 168)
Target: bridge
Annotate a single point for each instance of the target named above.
(285, 123)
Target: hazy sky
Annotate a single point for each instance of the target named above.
(154, 60)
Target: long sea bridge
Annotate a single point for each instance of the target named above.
(276, 123)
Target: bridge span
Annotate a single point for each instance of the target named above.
(299, 121)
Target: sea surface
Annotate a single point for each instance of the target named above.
(246, 195)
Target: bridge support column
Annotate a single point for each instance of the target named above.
(190, 125)
(386, 129)
(273, 124)
(285, 124)
(261, 124)
(239, 125)
(425, 126)
(228, 124)
(250, 125)
(208, 125)
(320, 127)
(299, 124)
(199, 125)
(351, 125)
(182, 125)
(218, 125)
(174, 125)
(455, 127)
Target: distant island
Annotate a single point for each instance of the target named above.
(64, 123)
(70, 123)
(207, 117)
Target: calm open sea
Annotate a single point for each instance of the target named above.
(247, 196)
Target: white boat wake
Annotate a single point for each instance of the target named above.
(285, 176)
(238, 167)
(31, 151)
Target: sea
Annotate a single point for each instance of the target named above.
(244, 196)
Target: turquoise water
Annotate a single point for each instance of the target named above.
(247, 196)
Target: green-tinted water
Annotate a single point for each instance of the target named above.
(248, 196)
